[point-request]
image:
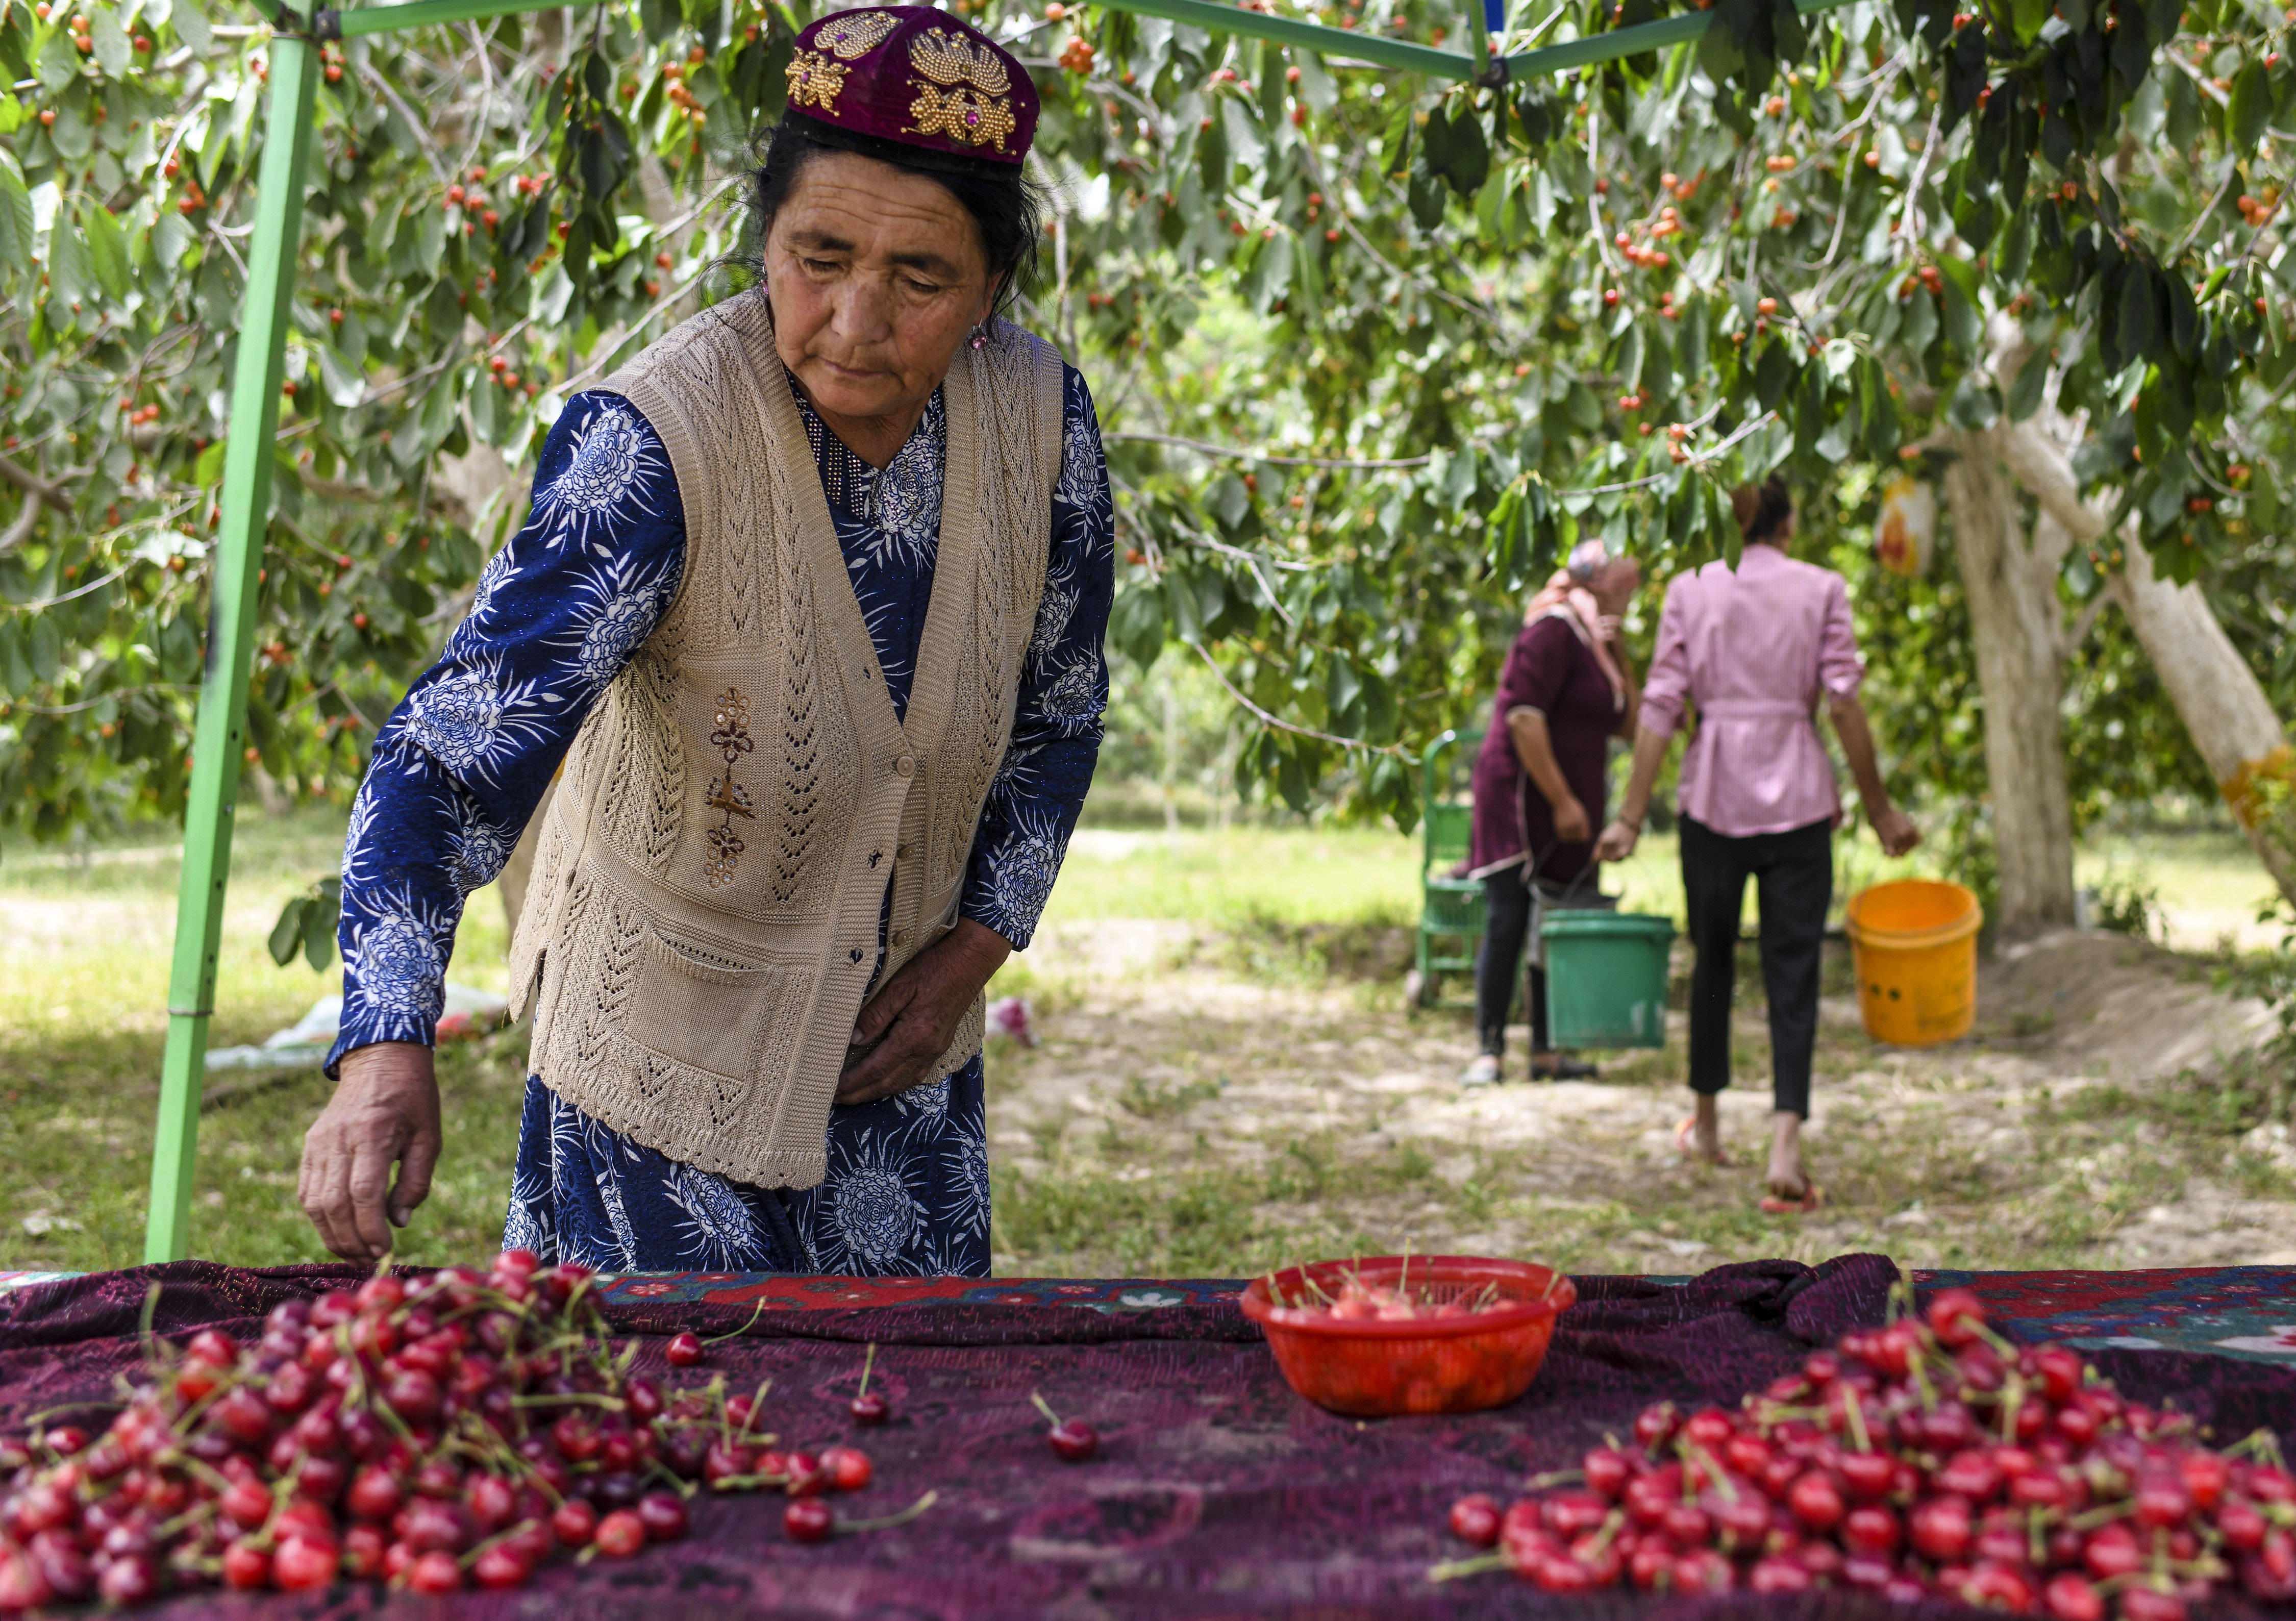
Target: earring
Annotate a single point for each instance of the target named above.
(981, 336)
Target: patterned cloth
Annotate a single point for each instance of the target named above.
(462, 764)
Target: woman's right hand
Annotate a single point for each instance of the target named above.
(1618, 841)
(1572, 825)
(385, 1112)
(1898, 831)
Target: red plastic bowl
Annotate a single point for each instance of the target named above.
(1444, 1364)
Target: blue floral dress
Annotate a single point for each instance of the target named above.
(462, 764)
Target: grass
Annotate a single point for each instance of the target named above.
(83, 965)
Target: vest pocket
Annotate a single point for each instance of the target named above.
(699, 1006)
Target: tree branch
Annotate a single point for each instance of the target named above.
(24, 478)
(2042, 467)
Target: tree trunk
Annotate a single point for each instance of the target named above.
(2218, 697)
(2222, 704)
(2017, 627)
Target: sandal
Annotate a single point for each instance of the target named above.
(1483, 1071)
(1561, 1067)
(1685, 1145)
(1773, 1204)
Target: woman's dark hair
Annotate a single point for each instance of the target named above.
(1006, 206)
(1761, 512)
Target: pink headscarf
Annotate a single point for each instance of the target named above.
(1565, 597)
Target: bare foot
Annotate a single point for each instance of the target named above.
(1787, 1178)
(1700, 1137)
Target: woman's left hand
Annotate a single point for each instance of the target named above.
(915, 1018)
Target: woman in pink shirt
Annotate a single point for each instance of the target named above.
(1756, 651)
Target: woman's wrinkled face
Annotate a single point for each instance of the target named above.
(876, 276)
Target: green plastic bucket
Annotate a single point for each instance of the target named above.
(1606, 977)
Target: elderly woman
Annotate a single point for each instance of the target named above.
(810, 604)
(1565, 690)
(1757, 649)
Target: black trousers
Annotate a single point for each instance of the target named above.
(1793, 875)
(1506, 921)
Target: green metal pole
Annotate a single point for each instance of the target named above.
(1220, 18)
(232, 586)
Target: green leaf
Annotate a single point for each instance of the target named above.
(2250, 109)
(71, 277)
(2025, 389)
(1395, 149)
(190, 25)
(1245, 144)
(1317, 88)
(2139, 329)
(1137, 624)
(107, 247)
(287, 933)
(1427, 193)
(1974, 404)
(112, 52)
(1774, 370)
(1965, 327)
(321, 910)
(1228, 501)
(15, 212)
(1469, 162)
(59, 63)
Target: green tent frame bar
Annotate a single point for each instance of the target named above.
(218, 739)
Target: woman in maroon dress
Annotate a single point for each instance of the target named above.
(1540, 788)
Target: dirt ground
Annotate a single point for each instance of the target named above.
(1201, 1103)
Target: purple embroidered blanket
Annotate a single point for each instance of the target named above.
(1218, 1492)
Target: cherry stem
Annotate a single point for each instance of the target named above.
(891, 1520)
(144, 1319)
(756, 1402)
(866, 1363)
(1044, 1407)
(1451, 1570)
(519, 1529)
(745, 1328)
(1854, 1410)
(572, 1398)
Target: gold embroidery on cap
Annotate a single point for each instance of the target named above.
(972, 104)
(816, 81)
(851, 37)
(732, 740)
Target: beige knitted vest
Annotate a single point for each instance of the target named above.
(702, 920)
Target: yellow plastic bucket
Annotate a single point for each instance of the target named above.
(1915, 945)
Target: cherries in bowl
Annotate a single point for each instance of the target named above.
(1441, 1333)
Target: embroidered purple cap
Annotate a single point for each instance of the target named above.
(917, 78)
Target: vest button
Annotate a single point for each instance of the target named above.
(900, 936)
(907, 765)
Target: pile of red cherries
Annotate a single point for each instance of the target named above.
(446, 1430)
(1927, 1458)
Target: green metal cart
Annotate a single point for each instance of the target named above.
(1451, 909)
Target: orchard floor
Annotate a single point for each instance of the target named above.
(1227, 1078)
